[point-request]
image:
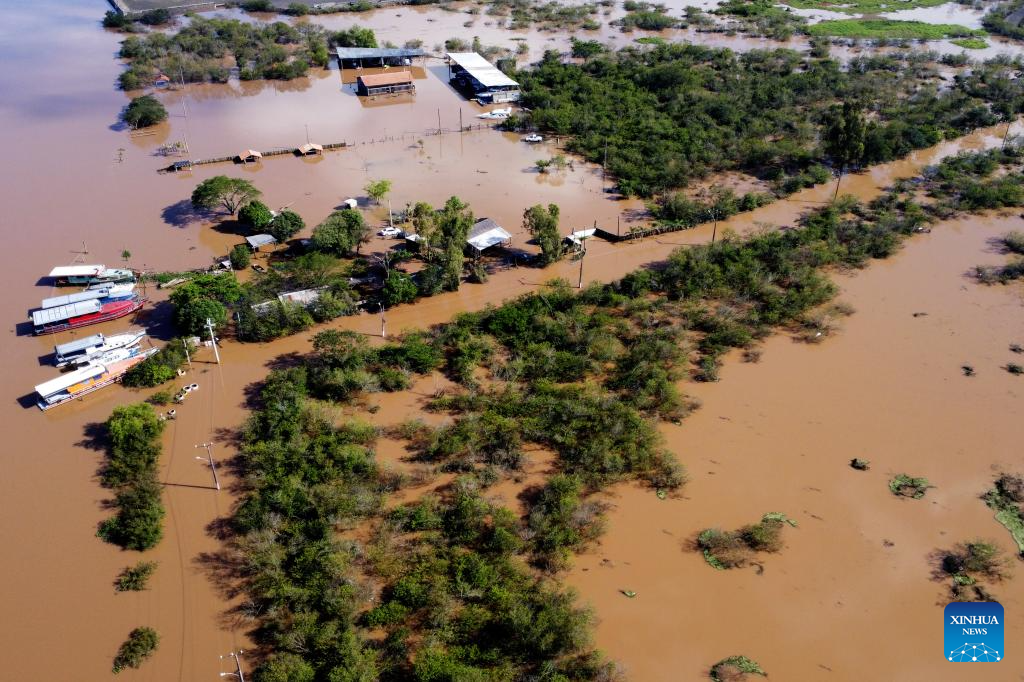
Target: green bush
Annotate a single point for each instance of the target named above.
(134, 578)
(286, 225)
(240, 256)
(139, 646)
(909, 486)
(255, 215)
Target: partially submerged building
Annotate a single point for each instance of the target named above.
(257, 240)
(388, 83)
(361, 57)
(486, 234)
(476, 76)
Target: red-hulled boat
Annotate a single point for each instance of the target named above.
(82, 314)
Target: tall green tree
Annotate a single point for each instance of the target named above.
(453, 224)
(286, 225)
(542, 224)
(340, 233)
(378, 189)
(843, 137)
(255, 215)
(220, 191)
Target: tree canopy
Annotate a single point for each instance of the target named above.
(377, 189)
(220, 191)
(542, 224)
(255, 215)
(144, 111)
(340, 233)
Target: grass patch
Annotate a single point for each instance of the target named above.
(864, 6)
(735, 668)
(909, 486)
(971, 43)
(890, 28)
(1005, 499)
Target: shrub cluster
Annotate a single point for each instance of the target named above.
(133, 452)
(665, 115)
(735, 548)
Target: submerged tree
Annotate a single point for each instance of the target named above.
(542, 224)
(144, 111)
(844, 136)
(378, 189)
(222, 191)
(340, 233)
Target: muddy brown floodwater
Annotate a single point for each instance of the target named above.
(74, 180)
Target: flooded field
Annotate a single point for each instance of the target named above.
(854, 577)
(75, 176)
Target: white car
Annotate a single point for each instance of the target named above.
(533, 138)
(390, 233)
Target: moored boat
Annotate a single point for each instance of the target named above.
(92, 377)
(89, 349)
(91, 274)
(82, 313)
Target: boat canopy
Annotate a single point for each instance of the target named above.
(65, 312)
(72, 347)
(77, 271)
(66, 381)
(75, 298)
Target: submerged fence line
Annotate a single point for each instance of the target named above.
(185, 164)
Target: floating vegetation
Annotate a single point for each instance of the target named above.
(733, 549)
(734, 669)
(908, 486)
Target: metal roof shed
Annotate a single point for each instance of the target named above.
(257, 240)
(486, 233)
(310, 148)
(376, 56)
(481, 70)
(250, 155)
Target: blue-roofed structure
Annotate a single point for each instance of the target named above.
(358, 57)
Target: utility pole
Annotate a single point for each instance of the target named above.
(213, 339)
(307, 133)
(187, 356)
(238, 665)
(714, 228)
(391, 220)
(213, 467)
(383, 322)
(1005, 134)
(438, 121)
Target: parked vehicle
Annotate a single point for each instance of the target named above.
(390, 233)
(533, 138)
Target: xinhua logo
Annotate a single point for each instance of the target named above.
(974, 632)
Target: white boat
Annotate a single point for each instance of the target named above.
(496, 113)
(87, 350)
(85, 380)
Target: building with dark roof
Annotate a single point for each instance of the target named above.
(387, 83)
(359, 57)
